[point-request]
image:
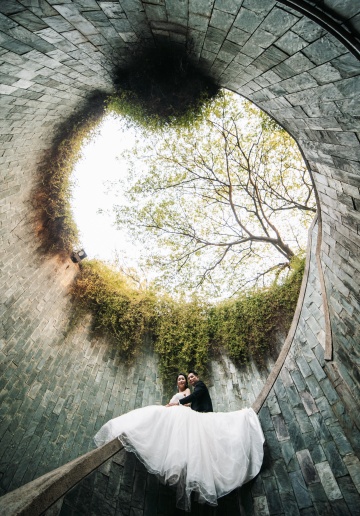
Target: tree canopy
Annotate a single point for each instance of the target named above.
(221, 204)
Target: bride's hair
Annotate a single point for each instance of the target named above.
(186, 382)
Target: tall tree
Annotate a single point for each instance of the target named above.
(229, 199)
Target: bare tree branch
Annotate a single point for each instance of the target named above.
(223, 197)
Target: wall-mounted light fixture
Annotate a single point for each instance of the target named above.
(77, 256)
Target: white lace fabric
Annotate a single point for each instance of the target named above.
(207, 453)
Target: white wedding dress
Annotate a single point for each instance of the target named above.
(209, 454)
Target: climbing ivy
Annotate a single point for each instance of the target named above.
(186, 333)
(247, 326)
(52, 195)
(120, 311)
(133, 109)
(181, 336)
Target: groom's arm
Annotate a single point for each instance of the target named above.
(199, 390)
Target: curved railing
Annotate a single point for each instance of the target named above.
(275, 371)
(37, 496)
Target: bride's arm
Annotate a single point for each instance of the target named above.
(173, 400)
(176, 403)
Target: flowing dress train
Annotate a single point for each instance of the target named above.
(209, 454)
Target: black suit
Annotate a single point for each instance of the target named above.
(200, 399)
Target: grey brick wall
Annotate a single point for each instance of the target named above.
(52, 56)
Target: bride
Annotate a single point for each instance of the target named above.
(182, 387)
(208, 453)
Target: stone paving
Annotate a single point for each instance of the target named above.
(53, 55)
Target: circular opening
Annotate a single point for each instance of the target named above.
(242, 151)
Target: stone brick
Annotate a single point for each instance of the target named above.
(312, 444)
(307, 29)
(261, 506)
(317, 370)
(319, 352)
(320, 427)
(326, 410)
(247, 20)
(289, 456)
(293, 395)
(259, 7)
(350, 494)
(329, 391)
(296, 436)
(257, 487)
(328, 481)
(301, 492)
(340, 507)
(29, 20)
(280, 389)
(273, 445)
(298, 380)
(307, 467)
(337, 466)
(303, 366)
(320, 500)
(278, 21)
(308, 402)
(353, 465)
(221, 20)
(265, 419)
(314, 387)
(280, 428)
(272, 495)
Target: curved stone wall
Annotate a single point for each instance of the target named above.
(53, 55)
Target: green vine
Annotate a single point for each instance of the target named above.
(246, 327)
(52, 196)
(180, 335)
(186, 333)
(120, 311)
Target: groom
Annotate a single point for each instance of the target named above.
(200, 398)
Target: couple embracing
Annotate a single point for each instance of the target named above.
(199, 399)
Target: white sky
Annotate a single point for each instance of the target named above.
(101, 163)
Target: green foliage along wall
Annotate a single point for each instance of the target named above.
(186, 333)
(52, 194)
